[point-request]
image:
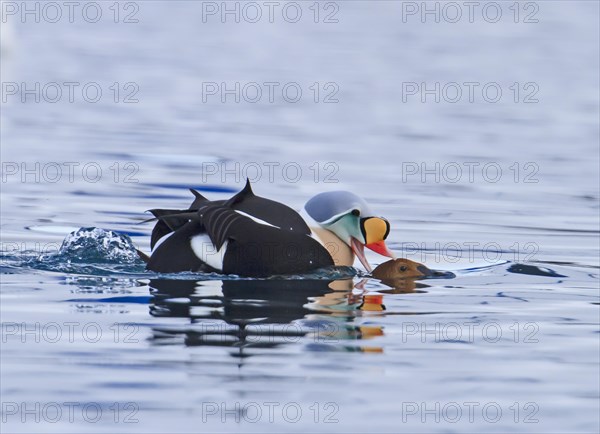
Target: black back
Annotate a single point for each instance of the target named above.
(283, 246)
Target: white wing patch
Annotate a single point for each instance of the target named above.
(257, 220)
(207, 252)
(162, 240)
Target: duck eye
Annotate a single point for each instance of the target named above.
(355, 212)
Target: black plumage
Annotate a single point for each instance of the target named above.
(263, 237)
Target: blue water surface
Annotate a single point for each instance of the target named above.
(504, 194)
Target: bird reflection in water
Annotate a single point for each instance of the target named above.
(258, 313)
(252, 314)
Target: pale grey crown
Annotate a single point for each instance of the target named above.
(327, 207)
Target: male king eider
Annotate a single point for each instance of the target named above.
(252, 236)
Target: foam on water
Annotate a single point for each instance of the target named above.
(97, 245)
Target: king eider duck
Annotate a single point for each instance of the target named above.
(251, 236)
